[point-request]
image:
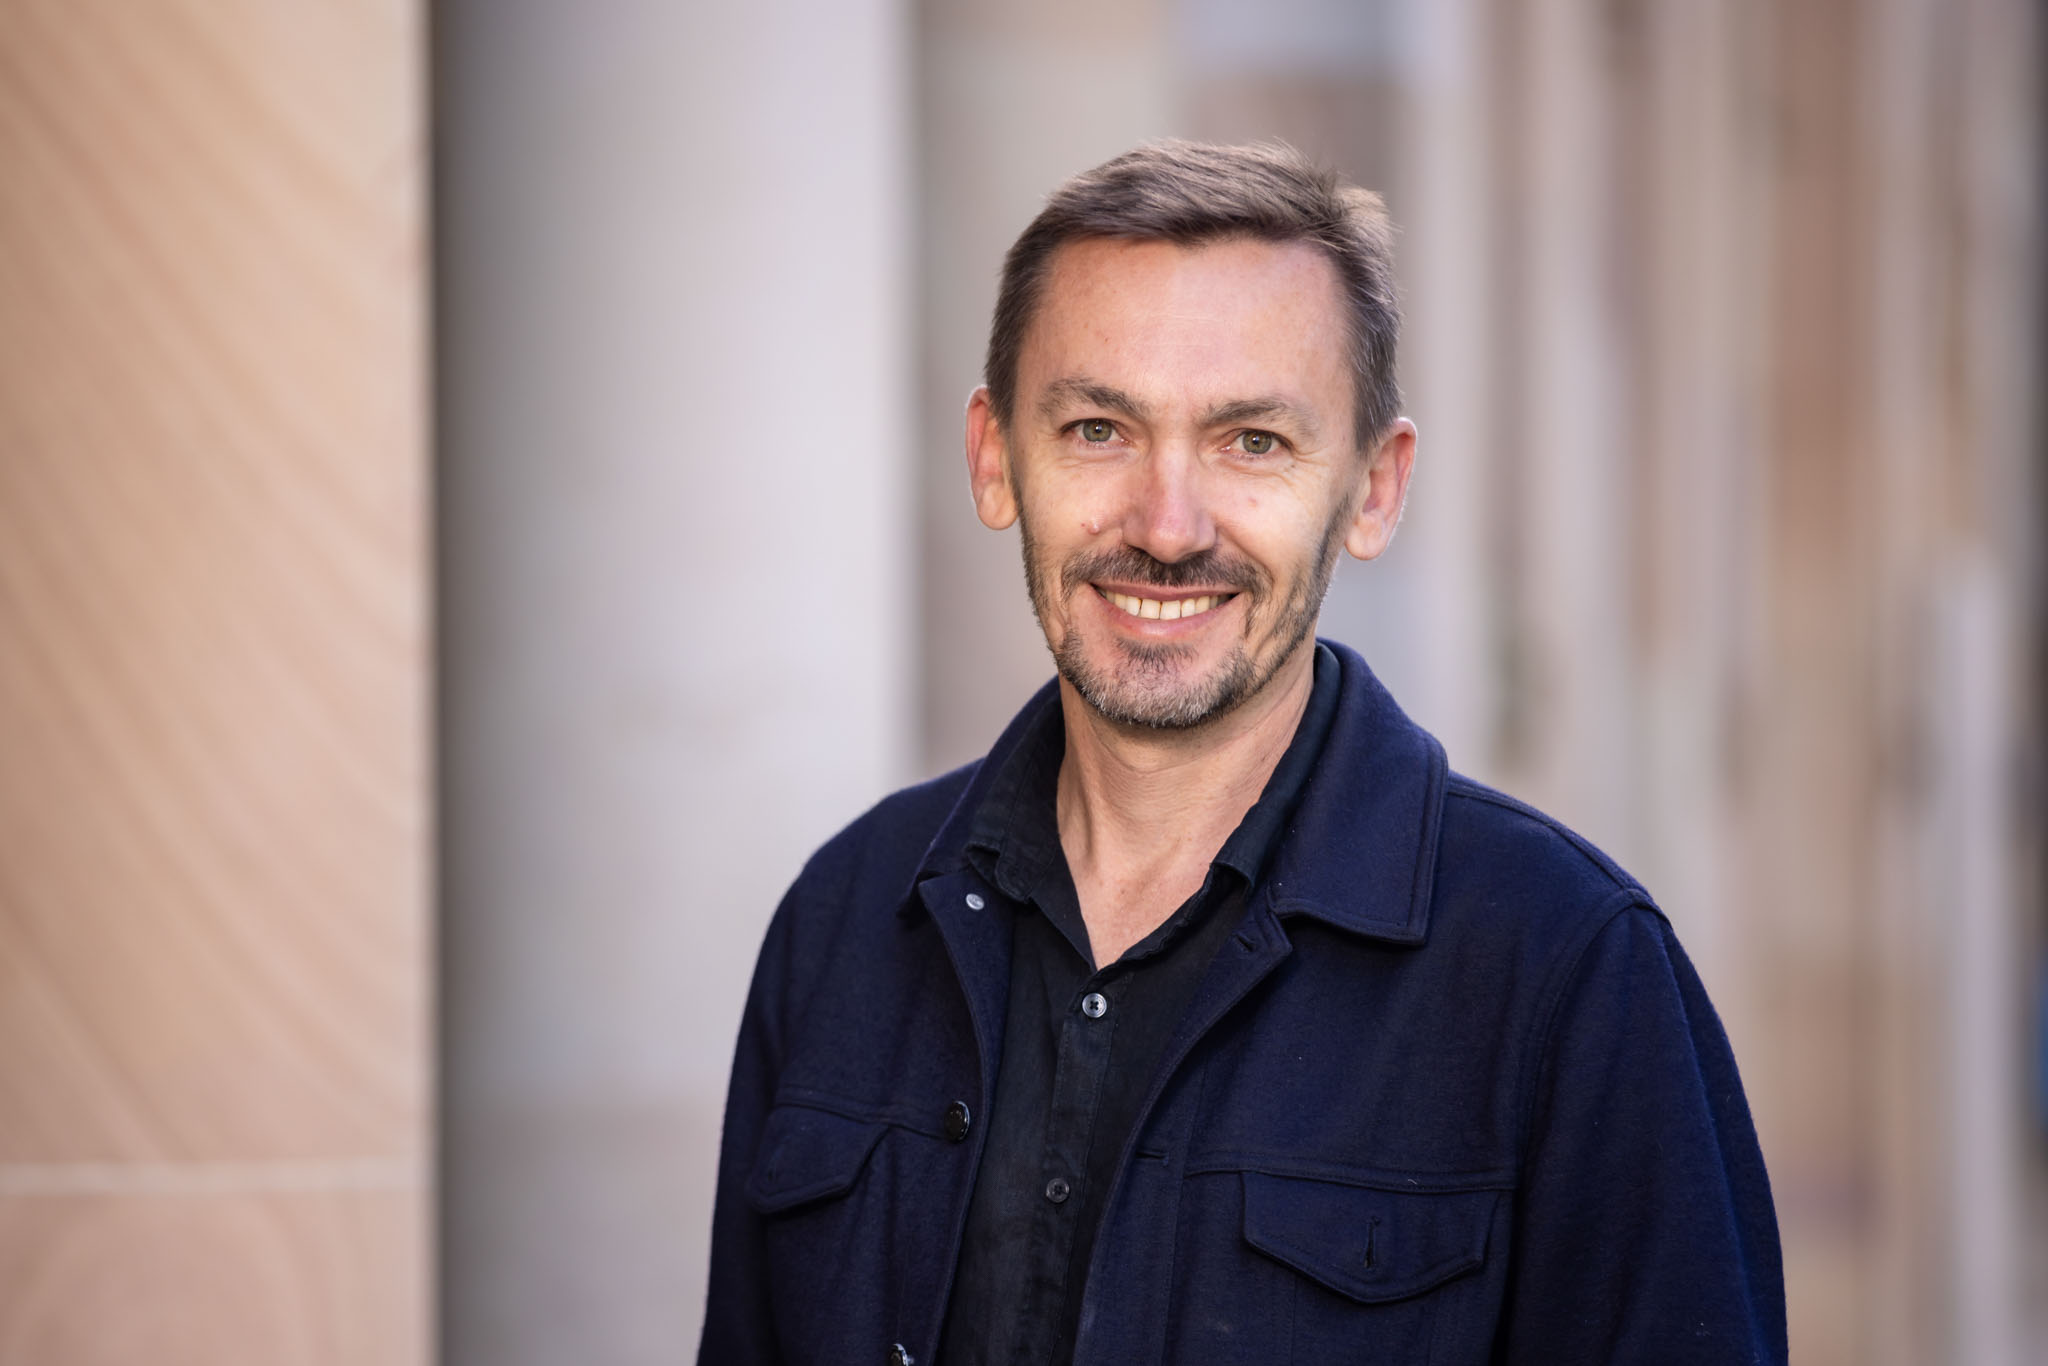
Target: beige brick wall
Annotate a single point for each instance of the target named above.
(214, 842)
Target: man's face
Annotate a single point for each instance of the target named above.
(1182, 459)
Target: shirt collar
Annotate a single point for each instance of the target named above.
(1014, 837)
(1353, 824)
(1252, 843)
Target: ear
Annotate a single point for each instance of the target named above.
(1385, 491)
(988, 464)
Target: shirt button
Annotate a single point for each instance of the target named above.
(1094, 1005)
(899, 1355)
(975, 902)
(958, 1120)
(1057, 1190)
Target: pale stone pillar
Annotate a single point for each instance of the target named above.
(675, 544)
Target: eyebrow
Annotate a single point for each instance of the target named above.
(1264, 409)
(1072, 391)
(1069, 392)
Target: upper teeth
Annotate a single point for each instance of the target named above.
(1165, 609)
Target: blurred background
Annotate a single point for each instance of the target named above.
(480, 500)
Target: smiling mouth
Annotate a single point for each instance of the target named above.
(1162, 609)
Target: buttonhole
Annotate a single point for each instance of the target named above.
(1372, 1232)
(1244, 941)
(1154, 1154)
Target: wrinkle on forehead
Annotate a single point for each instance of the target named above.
(1181, 282)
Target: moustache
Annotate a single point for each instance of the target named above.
(1128, 564)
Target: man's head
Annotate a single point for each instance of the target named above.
(1191, 193)
(1190, 408)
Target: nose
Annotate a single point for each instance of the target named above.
(1169, 516)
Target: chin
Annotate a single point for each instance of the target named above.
(1157, 687)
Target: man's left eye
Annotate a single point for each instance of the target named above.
(1257, 443)
(1096, 430)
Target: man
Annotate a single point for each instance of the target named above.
(1209, 1018)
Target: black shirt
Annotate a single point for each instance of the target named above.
(1081, 1043)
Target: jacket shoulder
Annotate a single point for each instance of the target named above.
(1503, 853)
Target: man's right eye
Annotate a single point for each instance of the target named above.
(1096, 430)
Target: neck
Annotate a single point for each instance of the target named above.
(1142, 812)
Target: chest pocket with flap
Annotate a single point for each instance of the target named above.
(1353, 1274)
(1368, 1245)
(808, 1155)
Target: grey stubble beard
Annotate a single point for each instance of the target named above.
(1222, 692)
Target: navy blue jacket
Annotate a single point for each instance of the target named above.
(1452, 1093)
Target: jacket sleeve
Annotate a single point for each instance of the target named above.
(738, 1320)
(1645, 1230)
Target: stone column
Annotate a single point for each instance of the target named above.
(675, 548)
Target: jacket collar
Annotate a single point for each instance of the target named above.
(1360, 850)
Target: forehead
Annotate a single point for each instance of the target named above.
(1208, 323)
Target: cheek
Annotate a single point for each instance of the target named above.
(1287, 541)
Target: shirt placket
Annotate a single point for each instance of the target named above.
(1087, 1029)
